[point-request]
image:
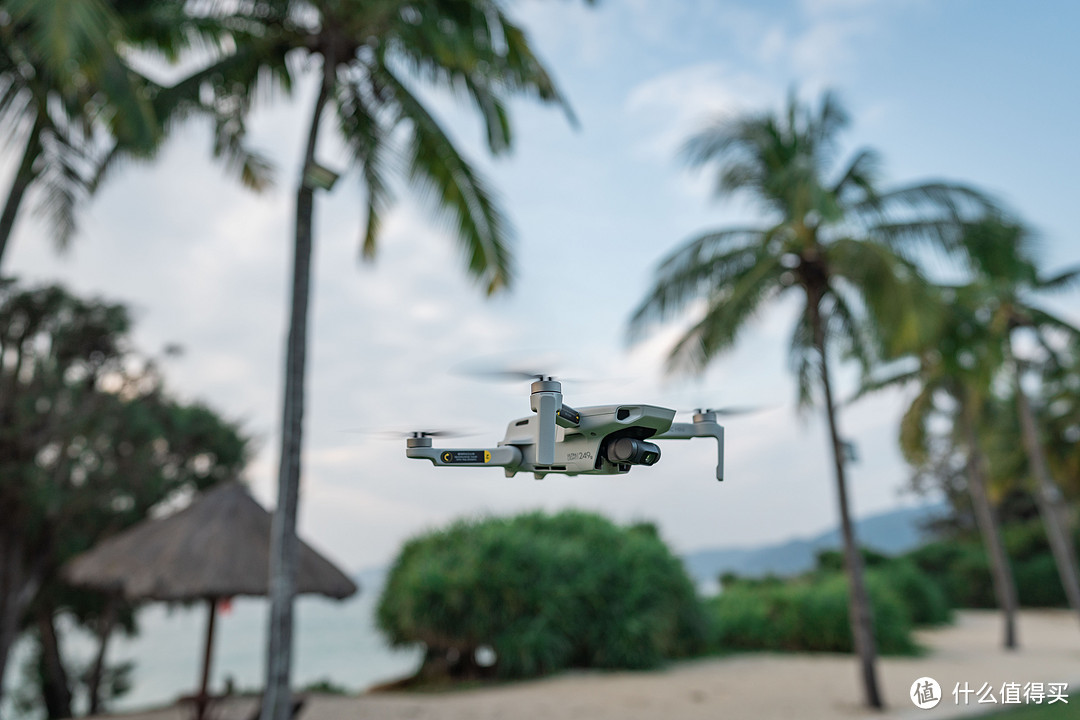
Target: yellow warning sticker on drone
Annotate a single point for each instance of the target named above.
(466, 457)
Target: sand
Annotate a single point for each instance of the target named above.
(758, 686)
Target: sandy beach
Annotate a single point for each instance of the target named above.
(762, 686)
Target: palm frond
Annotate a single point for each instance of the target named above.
(914, 426)
(1063, 281)
(804, 360)
(709, 261)
(436, 167)
(728, 310)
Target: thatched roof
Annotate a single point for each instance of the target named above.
(219, 546)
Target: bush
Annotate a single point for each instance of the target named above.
(545, 592)
(807, 615)
(960, 567)
(924, 599)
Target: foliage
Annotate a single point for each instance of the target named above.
(325, 686)
(923, 598)
(960, 568)
(545, 592)
(89, 442)
(72, 103)
(808, 614)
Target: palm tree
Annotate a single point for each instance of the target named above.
(833, 237)
(63, 81)
(1006, 278)
(74, 106)
(958, 364)
(372, 54)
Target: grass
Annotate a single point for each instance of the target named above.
(1057, 711)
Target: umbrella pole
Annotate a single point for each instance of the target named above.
(201, 700)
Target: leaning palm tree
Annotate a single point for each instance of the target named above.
(63, 83)
(832, 236)
(1007, 281)
(72, 104)
(955, 370)
(372, 55)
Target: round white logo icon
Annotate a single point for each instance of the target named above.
(925, 693)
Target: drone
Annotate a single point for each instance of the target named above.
(557, 439)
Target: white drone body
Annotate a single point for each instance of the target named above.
(596, 440)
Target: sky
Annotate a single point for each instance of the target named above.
(982, 92)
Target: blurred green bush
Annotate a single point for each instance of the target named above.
(810, 613)
(960, 568)
(545, 592)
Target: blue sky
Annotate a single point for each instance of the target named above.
(983, 92)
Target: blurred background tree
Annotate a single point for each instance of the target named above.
(544, 592)
(956, 367)
(90, 441)
(833, 235)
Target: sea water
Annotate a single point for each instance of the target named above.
(336, 641)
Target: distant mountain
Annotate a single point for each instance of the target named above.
(891, 533)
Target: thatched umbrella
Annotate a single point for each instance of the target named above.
(218, 547)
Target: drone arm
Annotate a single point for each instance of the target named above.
(688, 431)
(503, 456)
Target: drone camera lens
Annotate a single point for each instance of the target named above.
(633, 452)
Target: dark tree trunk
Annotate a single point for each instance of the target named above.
(1047, 495)
(1001, 571)
(55, 688)
(859, 609)
(97, 671)
(277, 703)
(24, 175)
(20, 579)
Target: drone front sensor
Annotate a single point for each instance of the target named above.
(595, 440)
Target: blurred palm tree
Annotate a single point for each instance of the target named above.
(63, 82)
(373, 57)
(832, 236)
(1007, 280)
(955, 371)
(73, 103)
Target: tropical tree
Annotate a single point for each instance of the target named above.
(89, 442)
(372, 56)
(832, 236)
(1006, 283)
(72, 104)
(62, 82)
(955, 371)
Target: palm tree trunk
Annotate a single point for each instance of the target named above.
(1001, 571)
(277, 703)
(24, 175)
(1047, 493)
(859, 611)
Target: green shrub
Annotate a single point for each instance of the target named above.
(807, 615)
(545, 592)
(1038, 583)
(923, 597)
(960, 567)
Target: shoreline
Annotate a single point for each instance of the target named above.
(763, 686)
